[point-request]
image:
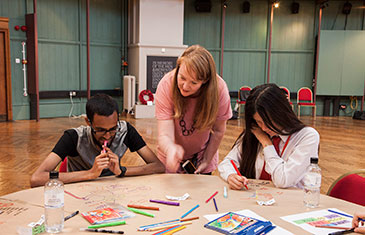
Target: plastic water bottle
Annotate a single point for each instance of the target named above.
(312, 184)
(53, 203)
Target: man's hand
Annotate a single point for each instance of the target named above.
(113, 162)
(101, 162)
(237, 182)
(174, 156)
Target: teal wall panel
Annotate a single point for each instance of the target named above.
(62, 49)
(341, 63)
(353, 78)
(292, 70)
(58, 66)
(331, 52)
(246, 31)
(333, 19)
(105, 70)
(243, 69)
(58, 20)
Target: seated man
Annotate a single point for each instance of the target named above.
(95, 150)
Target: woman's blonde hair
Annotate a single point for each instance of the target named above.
(198, 60)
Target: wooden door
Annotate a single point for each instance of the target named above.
(5, 79)
(3, 108)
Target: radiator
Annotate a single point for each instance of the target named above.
(129, 92)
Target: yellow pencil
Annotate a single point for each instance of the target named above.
(175, 230)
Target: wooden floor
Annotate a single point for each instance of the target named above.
(24, 144)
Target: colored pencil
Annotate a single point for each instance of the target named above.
(170, 222)
(189, 211)
(166, 226)
(334, 227)
(225, 194)
(238, 172)
(166, 202)
(141, 212)
(339, 213)
(166, 230)
(188, 219)
(70, 216)
(211, 197)
(101, 230)
(144, 207)
(142, 228)
(215, 205)
(175, 230)
(116, 223)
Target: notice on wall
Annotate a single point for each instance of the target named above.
(157, 67)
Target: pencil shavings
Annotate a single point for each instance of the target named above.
(182, 198)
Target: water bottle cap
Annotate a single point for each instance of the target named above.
(314, 160)
(53, 175)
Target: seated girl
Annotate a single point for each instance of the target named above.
(275, 145)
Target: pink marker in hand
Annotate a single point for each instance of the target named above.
(104, 145)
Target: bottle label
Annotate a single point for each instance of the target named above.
(53, 199)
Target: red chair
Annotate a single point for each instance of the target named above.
(243, 93)
(305, 99)
(63, 166)
(349, 187)
(287, 92)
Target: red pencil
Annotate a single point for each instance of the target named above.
(211, 197)
(238, 172)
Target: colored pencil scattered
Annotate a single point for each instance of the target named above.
(169, 223)
(175, 230)
(238, 172)
(166, 202)
(167, 226)
(211, 197)
(166, 230)
(144, 207)
(215, 205)
(189, 211)
(116, 223)
(141, 212)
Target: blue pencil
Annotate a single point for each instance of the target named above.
(339, 213)
(215, 204)
(189, 211)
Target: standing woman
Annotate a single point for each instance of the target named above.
(192, 108)
(275, 145)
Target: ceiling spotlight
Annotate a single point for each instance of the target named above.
(346, 8)
(276, 3)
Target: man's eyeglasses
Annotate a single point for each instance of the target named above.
(101, 131)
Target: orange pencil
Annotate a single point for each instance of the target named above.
(188, 219)
(144, 207)
(238, 172)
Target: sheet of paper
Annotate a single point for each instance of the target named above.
(276, 231)
(309, 220)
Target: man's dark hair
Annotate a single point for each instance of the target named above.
(101, 104)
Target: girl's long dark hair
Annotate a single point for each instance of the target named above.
(271, 103)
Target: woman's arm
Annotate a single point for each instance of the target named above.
(166, 141)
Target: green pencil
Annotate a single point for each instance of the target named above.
(141, 212)
(107, 224)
